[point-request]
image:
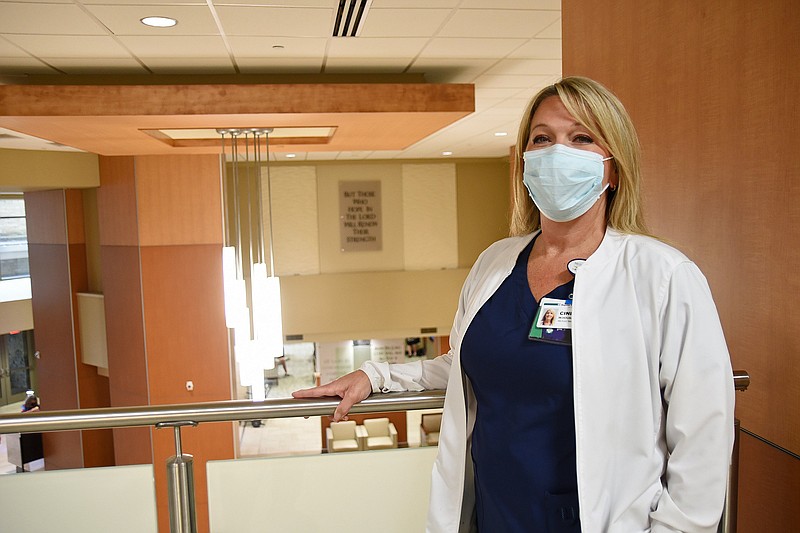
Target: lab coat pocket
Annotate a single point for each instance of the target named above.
(562, 513)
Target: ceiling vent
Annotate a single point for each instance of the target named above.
(350, 17)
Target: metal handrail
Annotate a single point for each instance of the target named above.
(180, 477)
(151, 415)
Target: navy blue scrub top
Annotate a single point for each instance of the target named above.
(523, 444)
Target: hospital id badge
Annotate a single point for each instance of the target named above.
(553, 322)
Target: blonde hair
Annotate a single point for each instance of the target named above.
(598, 110)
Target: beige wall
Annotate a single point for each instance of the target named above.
(436, 218)
(27, 170)
(16, 316)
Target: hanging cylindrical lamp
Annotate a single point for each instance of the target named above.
(257, 328)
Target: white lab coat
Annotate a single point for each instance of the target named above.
(653, 391)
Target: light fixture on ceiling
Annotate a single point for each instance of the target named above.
(159, 22)
(447, 153)
(500, 134)
(252, 290)
(291, 156)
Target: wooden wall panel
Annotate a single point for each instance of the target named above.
(45, 217)
(186, 335)
(56, 372)
(127, 361)
(116, 202)
(179, 199)
(769, 487)
(712, 89)
(73, 200)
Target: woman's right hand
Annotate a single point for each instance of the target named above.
(351, 388)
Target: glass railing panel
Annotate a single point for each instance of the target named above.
(381, 490)
(79, 501)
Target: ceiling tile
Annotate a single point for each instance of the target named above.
(107, 65)
(258, 65)
(193, 65)
(385, 65)
(406, 47)
(176, 48)
(75, 46)
(278, 21)
(53, 19)
(470, 48)
(554, 5)
(403, 22)
(414, 3)
(539, 49)
(321, 156)
(498, 23)
(444, 70)
(291, 47)
(385, 154)
(277, 3)
(8, 49)
(512, 82)
(23, 65)
(553, 31)
(126, 20)
(495, 93)
(144, 2)
(516, 67)
(353, 155)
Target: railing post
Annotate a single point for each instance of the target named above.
(180, 484)
(741, 380)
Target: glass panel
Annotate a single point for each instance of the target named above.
(12, 207)
(20, 381)
(17, 353)
(13, 247)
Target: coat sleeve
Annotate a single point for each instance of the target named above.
(697, 388)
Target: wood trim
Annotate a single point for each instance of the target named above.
(110, 119)
(220, 99)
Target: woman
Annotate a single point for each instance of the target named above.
(549, 316)
(626, 426)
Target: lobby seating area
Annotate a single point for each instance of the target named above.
(373, 434)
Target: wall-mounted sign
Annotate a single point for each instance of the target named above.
(360, 216)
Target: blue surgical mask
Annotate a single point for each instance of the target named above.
(564, 182)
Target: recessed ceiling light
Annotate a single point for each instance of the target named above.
(159, 22)
(500, 133)
(447, 153)
(291, 156)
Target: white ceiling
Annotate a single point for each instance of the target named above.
(508, 48)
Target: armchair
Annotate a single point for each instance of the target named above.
(429, 429)
(380, 434)
(344, 437)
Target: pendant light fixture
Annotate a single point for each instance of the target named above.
(252, 290)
